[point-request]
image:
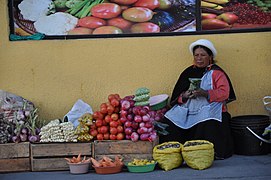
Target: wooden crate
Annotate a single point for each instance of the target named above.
(14, 157)
(50, 156)
(125, 148)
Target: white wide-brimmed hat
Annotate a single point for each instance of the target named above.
(203, 42)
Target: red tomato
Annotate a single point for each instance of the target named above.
(104, 129)
(117, 96)
(107, 30)
(95, 115)
(106, 136)
(100, 137)
(107, 119)
(113, 130)
(120, 128)
(110, 97)
(113, 124)
(91, 22)
(104, 122)
(124, 2)
(120, 23)
(114, 116)
(103, 110)
(98, 115)
(99, 130)
(114, 102)
(120, 136)
(93, 126)
(146, 27)
(93, 132)
(106, 10)
(119, 122)
(112, 137)
(103, 105)
(110, 109)
(99, 122)
(151, 4)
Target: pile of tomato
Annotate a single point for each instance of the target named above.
(107, 124)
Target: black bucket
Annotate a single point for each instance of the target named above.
(245, 143)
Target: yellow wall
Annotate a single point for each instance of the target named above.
(53, 74)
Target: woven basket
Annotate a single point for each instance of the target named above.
(26, 25)
(199, 156)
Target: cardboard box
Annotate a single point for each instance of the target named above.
(14, 157)
(50, 156)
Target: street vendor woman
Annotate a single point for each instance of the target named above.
(198, 102)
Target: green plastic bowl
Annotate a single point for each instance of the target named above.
(141, 169)
(158, 102)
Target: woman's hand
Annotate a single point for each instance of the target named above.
(184, 96)
(200, 93)
(187, 94)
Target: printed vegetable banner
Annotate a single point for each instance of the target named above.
(51, 19)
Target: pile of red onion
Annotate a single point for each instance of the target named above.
(138, 120)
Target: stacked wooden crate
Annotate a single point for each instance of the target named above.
(14, 157)
(50, 156)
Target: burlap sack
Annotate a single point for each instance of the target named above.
(168, 155)
(198, 154)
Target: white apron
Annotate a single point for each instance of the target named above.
(196, 110)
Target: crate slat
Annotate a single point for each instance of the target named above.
(128, 149)
(49, 164)
(15, 157)
(14, 150)
(50, 156)
(15, 165)
(60, 149)
(123, 147)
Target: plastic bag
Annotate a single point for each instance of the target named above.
(13, 110)
(9, 101)
(168, 155)
(79, 109)
(82, 130)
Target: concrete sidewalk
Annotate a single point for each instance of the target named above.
(235, 167)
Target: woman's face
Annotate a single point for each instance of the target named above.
(201, 58)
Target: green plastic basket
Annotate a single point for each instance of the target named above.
(141, 169)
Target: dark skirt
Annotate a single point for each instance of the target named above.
(219, 133)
